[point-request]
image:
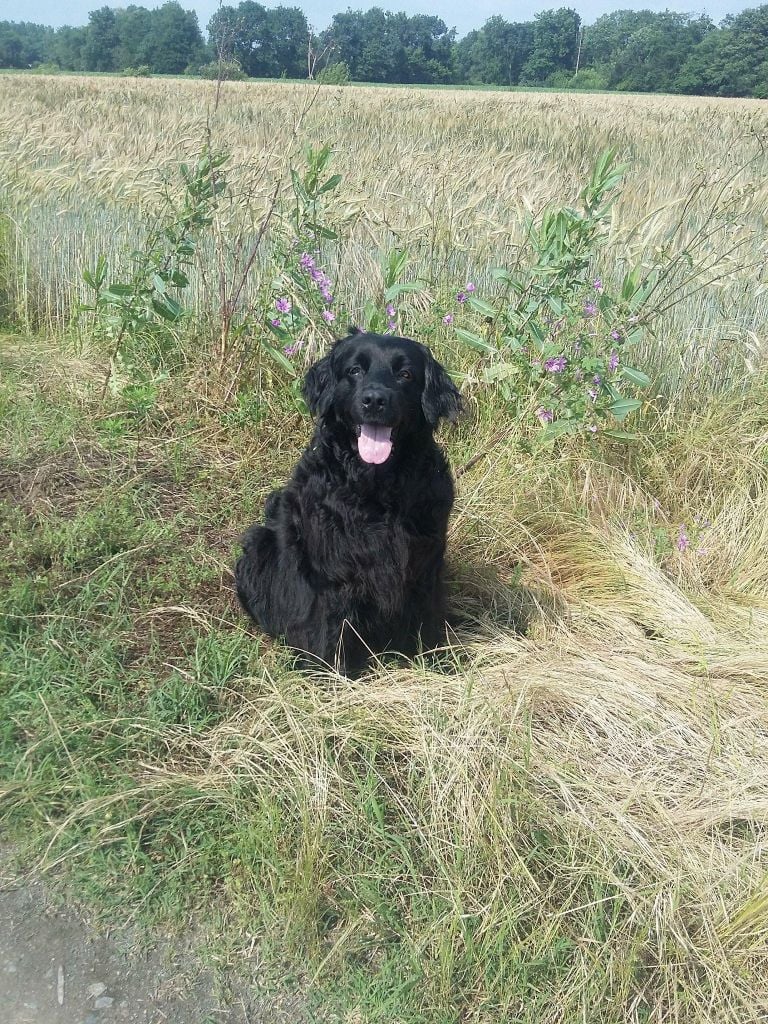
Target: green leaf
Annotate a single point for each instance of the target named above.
(120, 289)
(538, 334)
(279, 357)
(557, 429)
(634, 335)
(481, 306)
(394, 265)
(298, 187)
(475, 340)
(636, 377)
(168, 308)
(321, 230)
(620, 435)
(179, 279)
(631, 282)
(624, 407)
(158, 284)
(501, 274)
(406, 286)
(332, 182)
(500, 371)
(512, 343)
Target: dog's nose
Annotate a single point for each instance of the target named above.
(375, 398)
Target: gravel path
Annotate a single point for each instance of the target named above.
(56, 969)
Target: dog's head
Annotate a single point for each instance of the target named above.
(381, 389)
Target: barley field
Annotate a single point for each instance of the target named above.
(566, 820)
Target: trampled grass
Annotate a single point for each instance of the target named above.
(563, 820)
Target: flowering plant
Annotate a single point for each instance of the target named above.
(301, 306)
(382, 315)
(554, 337)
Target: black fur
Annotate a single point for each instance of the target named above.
(349, 560)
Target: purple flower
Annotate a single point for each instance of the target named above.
(469, 287)
(544, 415)
(589, 309)
(556, 365)
(682, 539)
(327, 297)
(616, 335)
(597, 284)
(448, 318)
(597, 379)
(390, 310)
(275, 322)
(329, 316)
(461, 297)
(592, 392)
(283, 305)
(613, 362)
(291, 350)
(592, 428)
(306, 262)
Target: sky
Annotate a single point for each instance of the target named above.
(455, 13)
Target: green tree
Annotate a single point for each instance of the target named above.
(367, 43)
(173, 41)
(608, 36)
(288, 37)
(654, 54)
(425, 46)
(732, 61)
(555, 42)
(100, 52)
(23, 44)
(504, 49)
(706, 71)
(381, 47)
(67, 48)
(266, 43)
(134, 29)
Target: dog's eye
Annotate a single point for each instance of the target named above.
(405, 375)
(354, 371)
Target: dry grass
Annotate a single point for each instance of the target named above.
(568, 821)
(448, 175)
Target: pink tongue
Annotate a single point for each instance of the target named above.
(374, 443)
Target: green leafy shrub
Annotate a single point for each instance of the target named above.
(224, 70)
(554, 337)
(335, 74)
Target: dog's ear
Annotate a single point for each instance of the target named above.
(440, 396)
(318, 387)
(353, 329)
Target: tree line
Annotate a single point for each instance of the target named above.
(643, 51)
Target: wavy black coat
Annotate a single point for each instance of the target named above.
(349, 560)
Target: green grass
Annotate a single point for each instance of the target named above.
(560, 825)
(564, 819)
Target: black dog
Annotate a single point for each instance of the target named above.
(350, 558)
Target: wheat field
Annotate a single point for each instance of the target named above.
(567, 821)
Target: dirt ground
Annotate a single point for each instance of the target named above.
(56, 968)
